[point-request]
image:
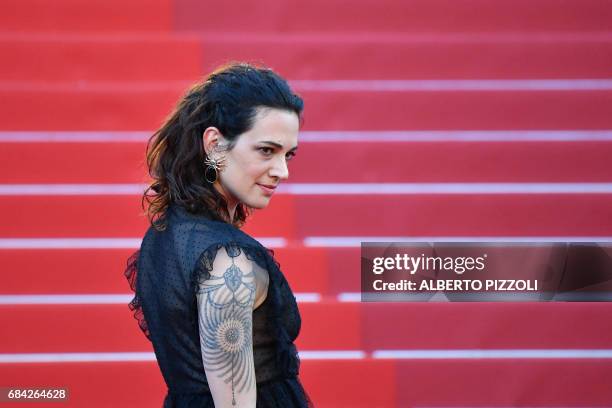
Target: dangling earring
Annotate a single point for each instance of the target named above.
(213, 166)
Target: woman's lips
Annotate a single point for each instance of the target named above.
(268, 190)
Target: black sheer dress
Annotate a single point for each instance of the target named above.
(165, 274)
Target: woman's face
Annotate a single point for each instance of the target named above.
(257, 163)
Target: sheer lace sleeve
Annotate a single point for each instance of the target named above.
(135, 306)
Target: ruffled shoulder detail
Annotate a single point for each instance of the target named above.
(135, 306)
(233, 249)
(287, 356)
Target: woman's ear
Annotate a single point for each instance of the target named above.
(211, 139)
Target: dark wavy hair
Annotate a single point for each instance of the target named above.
(227, 99)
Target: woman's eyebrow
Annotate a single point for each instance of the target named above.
(280, 146)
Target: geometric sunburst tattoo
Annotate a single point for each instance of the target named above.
(226, 314)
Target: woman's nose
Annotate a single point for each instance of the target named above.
(280, 169)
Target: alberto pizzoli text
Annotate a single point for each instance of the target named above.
(458, 285)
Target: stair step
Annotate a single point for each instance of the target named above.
(93, 16)
(332, 383)
(141, 58)
(420, 215)
(368, 161)
(112, 328)
(138, 58)
(389, 383)
(454, 383)
(138, 107)
(339, 16)
(405, 16)
(61, 271)
(331, 325)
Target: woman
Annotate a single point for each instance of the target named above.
(212, 300)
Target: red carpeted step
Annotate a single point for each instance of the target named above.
(112, 328)
(99, 384)
(281, 221)
(455, 215)
(458, 110)
(339, 16)
(100, 271)
(350, 383)
(113, 216)
(57, 216)
(64, 271)
(329, 325)
(48, 163)
(70, 57)
(502, 383)
(393, 16)
(378, 162)
(141, 384)
(92, 16)
(71, 328)
(444, 325)
(345, 162)
(308, 269)
(340, 383)
(344, 269)
(331, 215)
(124, 106)
(109, 107)
(418, 56)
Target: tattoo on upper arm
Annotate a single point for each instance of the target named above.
(226, 314)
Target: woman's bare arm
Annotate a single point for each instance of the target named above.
(225, 314)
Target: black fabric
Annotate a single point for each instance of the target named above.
(165, 273)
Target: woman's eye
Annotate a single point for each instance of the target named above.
(290, 155)
(266, 151)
